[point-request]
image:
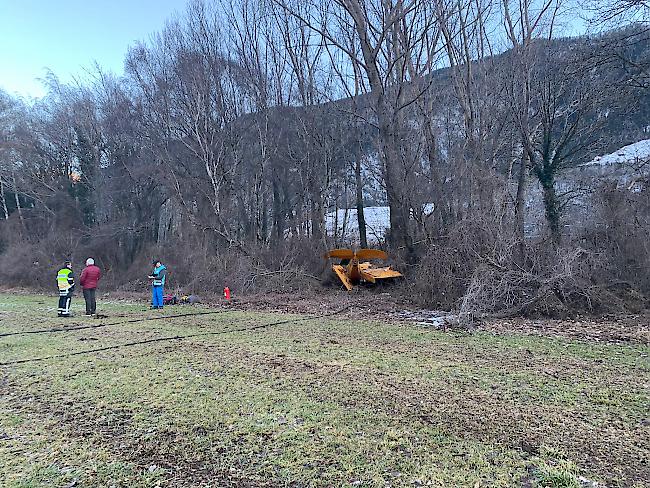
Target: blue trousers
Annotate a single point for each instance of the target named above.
(157, 296)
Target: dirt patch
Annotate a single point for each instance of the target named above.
(361, 303)
(632, 329)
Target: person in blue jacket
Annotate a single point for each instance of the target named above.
(157, 283)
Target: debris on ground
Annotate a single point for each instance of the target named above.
(435, 319)
(587, 483)
(612, 329)
(190, 299)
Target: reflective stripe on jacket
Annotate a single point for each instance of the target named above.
(159, 274)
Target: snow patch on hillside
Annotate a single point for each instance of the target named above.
(627, 154)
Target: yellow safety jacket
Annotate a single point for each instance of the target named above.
(65, 279)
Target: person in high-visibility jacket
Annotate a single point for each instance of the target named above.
(157, 278)
(65, 282)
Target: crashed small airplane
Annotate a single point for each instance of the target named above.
(355, 266)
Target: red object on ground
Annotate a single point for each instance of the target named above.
(89, 277)
(226, 293)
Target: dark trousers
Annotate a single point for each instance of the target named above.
(91, 303)
(65, 298)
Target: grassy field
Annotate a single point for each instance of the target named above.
(325, 402)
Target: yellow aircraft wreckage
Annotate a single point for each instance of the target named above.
(355, 266)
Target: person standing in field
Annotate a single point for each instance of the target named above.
(157, 278)
(65, 282)
(90, 276)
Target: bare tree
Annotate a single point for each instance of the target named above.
(5, 105)
(388, 41)
(607, 11)
(524, 26)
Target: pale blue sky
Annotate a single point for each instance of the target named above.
(67, 36)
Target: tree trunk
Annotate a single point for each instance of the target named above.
(278, 214)
(361, 218)
(18, 207)
(391, 167)
(440, 209)
(399, 232)
(4, 201)
(264, 219)
(552, 209)
(316, 210)
(316, 219)
(520, 207)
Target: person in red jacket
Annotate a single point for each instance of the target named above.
(89, 278)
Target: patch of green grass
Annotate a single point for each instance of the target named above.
(552, 469)
(558, 477)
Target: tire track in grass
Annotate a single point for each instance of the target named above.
(170, 338)
(97, 326)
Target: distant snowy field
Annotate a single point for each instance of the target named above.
(347, 226)
(377, 223)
